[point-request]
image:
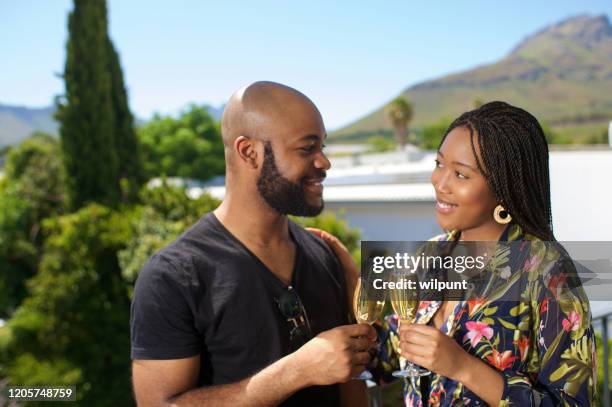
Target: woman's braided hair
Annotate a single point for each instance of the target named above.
(514, 163)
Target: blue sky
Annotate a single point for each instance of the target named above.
(350, 57)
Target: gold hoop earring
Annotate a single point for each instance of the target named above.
(501, 215)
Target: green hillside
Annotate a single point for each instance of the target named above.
(562, 74)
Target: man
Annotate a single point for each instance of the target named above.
(225, 314)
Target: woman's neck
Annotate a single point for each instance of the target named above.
(487, 232)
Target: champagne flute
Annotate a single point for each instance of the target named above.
(366, 311)
(405, 303)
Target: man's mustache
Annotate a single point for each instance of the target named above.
(321, 175)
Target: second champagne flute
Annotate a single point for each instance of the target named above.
(405, 302)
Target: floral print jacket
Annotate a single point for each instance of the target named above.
(543, 345)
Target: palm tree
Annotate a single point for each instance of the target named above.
(399, 112)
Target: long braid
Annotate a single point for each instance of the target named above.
(514, 163)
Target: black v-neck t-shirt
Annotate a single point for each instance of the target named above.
(207, 294)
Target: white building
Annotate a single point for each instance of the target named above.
(389, 196)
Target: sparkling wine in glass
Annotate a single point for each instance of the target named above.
(405, 303)
(367, 311)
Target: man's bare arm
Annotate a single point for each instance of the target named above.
(157, 381)
(333, 356)
(175, 386)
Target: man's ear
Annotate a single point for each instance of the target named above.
(246, 148)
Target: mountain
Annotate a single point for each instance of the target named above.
(562, 74)
(17, 122)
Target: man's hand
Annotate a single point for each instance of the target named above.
(337, 355)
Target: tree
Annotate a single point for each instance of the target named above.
(431, 135)
(3, 153)
(188, 146)
(36, 166)
(168, 212)
(17, 251)
(73, 327)
(553, 137)
(476, 103)
(400, 112)
(338, 227)
(33, 190)
(85, 113)
(126, 142)
(380, 144)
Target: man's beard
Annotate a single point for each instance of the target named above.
(285, 196)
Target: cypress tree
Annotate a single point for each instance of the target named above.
(86, 113)
(126, 143)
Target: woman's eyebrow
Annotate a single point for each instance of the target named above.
(464, 165)
(459, 163)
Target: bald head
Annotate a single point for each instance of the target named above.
(263, 110)
(274, 140)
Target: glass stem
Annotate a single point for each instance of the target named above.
(408, 364)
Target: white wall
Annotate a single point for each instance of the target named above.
(581, 194)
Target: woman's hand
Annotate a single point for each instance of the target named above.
(351, 272)
(430, 348)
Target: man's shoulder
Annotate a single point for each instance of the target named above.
(191, 248)
(313, 246)
(323, 267)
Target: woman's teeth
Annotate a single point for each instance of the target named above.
(446, 205)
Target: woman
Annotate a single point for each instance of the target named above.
(492, 184)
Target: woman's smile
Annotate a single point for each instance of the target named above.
(444, 207)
